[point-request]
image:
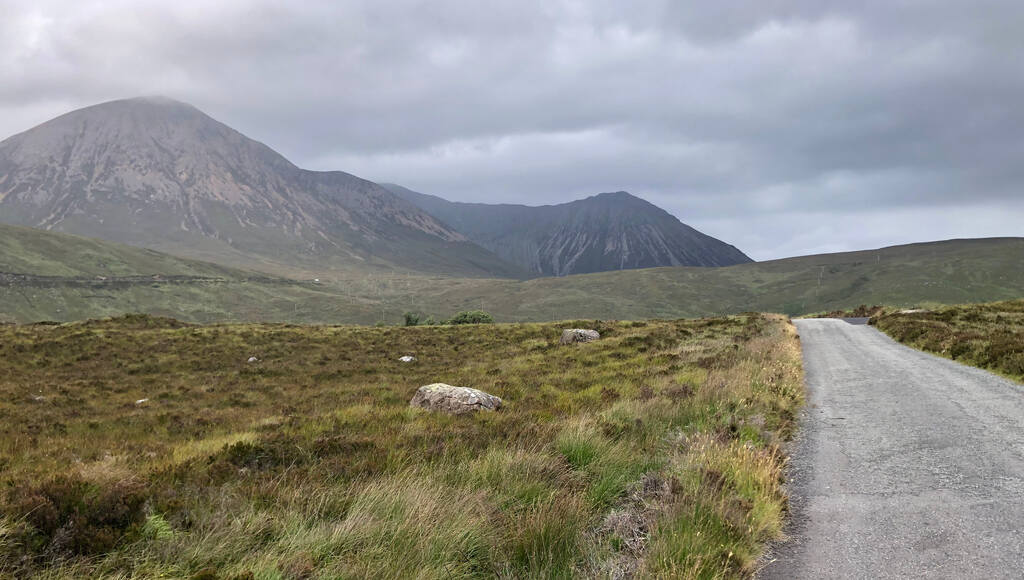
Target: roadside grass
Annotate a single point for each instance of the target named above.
(653, 452)
(989, 336)
(862, 311)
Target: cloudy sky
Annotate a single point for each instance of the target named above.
(784, 127)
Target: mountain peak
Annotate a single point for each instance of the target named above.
(616, 199)
(608, 231)
(157, 100)
(145, 109)
(150, 101)
(156, 172)
(614, 195)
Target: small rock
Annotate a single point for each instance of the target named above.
(454, 400)
(141, 401)
(38, 398)
(574, 335)
(253, 359)
(407, 358)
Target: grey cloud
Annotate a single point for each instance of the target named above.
(733, 115)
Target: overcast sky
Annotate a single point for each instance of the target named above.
(784, 127)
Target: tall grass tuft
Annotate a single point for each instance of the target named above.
(653, 452)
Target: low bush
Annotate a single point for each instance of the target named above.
(70, 516)
(989, 336)
(471, 317)
(310, 462)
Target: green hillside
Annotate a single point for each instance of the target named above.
(42, 253)
(955, 271)
(51, 276)
(47, 276)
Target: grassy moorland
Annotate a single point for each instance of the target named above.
(47, 276)
(862, 311)
(990, 336)
(142, 447)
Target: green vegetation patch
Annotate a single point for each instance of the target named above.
(990, 336)
(46, 276)
(139, 447)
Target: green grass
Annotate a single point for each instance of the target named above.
(957, 271)
(862, 311)
(654, 451)
(989, 336)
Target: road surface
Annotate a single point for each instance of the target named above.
(908, 465)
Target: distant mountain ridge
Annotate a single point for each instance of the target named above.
(609, 231)
(157, 173)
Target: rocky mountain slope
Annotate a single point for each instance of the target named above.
(610, 231)
(161, 174)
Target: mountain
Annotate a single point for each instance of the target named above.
(161, 174)
(610, 231)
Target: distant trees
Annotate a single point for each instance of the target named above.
(471, 317)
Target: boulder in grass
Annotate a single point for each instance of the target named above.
(407, 358)
(574, 335)
(454, 400)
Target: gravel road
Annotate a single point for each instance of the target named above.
(908, 465)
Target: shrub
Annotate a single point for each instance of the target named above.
(411, 318)
(68, 515)
(990, 336)
(471, 317)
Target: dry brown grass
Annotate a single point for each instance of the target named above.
(990, 336)
(653, 450)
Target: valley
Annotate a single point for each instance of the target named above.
(56, 277)
(511, 290)
(185, 217)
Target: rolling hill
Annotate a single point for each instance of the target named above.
(49, 276)
(604, 232)
(950, 272)
(60, 277)
(160, 174)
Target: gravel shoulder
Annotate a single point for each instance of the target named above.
(907, 465)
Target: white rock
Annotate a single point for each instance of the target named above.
(253, 359)
(454, 400)
(407, 358)
(141, 401)
(574, 335)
